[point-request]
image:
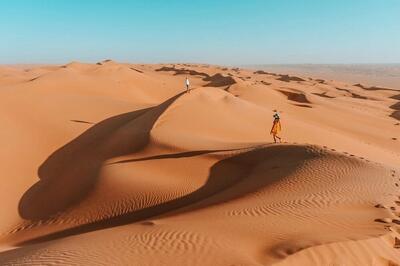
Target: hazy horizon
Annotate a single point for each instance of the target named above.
(191, 62)
(188, 62)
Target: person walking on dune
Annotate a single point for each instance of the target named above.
(187, 83)
(276, 127)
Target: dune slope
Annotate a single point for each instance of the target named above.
(118, 166)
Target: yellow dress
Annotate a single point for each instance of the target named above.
(276, 127)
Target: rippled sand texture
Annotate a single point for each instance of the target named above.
(114, 164)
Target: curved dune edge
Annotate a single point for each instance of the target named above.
(268, 196)
(373, 251)
(117, 165)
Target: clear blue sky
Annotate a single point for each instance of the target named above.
(212, 31)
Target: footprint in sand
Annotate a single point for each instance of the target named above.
(394, 229)
(388, 228)
(148, 223)
(387, 221)
(395, 221)
(383, 220)
(396, 243)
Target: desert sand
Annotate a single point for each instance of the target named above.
(383, 75)
(114, 164)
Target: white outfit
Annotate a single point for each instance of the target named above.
(187, 84)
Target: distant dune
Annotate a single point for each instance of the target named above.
(387, 75)
(115, 164)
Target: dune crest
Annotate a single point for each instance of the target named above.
(119, 165)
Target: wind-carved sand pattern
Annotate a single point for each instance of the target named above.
(118, 165)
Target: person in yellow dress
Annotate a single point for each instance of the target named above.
(276, 127)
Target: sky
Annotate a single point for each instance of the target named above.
(227, 32)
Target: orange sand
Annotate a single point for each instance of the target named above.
(112, 164)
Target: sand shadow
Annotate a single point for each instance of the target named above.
(396, 97)
(303, 105)
(137, 70)
(81, 121)
(219, 80)
(265, 83)
(172, 156)
(373, 88)
(395, 107)
(287, 78)
(228, 179)
(395, 115)
(183, 71)
(324, 95)
(321, 81)
(70, 173)
(281, 77)
(355, 95)
(262, 72)
(295, 96)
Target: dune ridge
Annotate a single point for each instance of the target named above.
(119, 166)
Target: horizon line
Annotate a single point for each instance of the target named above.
(202, 63)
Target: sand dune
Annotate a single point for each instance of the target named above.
(114, 164)
(369, 76)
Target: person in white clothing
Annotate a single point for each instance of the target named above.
(187, 84)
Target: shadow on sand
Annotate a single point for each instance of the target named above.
(69, 174)
(229, 178)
